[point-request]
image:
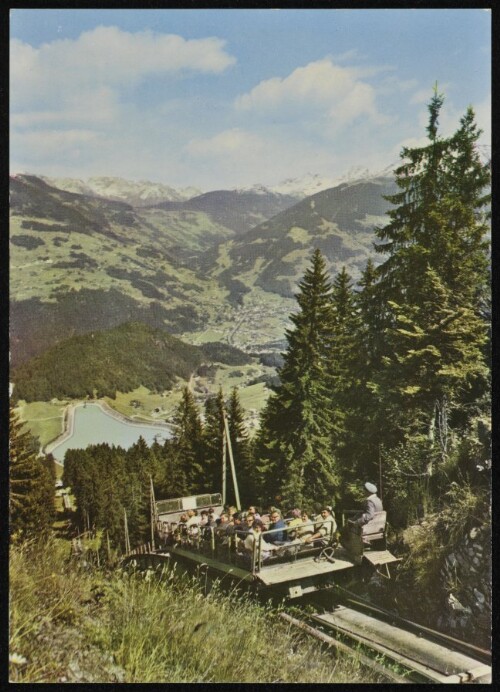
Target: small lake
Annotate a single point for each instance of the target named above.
(92, 425)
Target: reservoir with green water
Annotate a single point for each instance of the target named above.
(92, 425)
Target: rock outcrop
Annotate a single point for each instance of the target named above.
(466, 576)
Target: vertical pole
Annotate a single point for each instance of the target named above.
(153, 510)
(231, 459)
(127, 539)
(224, 464)
(380, 472)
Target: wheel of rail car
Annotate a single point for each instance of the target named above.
(326, 554)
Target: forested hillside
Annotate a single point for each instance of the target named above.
(102, 362)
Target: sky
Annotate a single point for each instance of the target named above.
(224, 99)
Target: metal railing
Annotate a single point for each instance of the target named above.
(326, 541)
(205, 539)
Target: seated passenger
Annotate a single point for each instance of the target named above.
(245, 527)
(293, 521)
(193, 523)
(234, 524)
(222, 524)
(181, 529)
(253, 510)
(232, 519)
(253, 535)
(203, 517)
(303, 530)
(277, 522)
(325, 529)
(371, 505)
(193, 518)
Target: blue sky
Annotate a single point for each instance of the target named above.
(230, 98)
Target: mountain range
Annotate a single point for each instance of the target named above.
(219, 266)
(138, 193)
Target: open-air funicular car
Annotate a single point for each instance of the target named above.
(291, 569)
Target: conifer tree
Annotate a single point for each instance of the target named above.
(188, 443)
(369, 333)
(436, 358)
(172, 481)
(346, 369)
(141, 465)
(433, 284)
(294, 445)
(31, 496)
(344, 356)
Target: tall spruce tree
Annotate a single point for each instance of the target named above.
(187, 443)
(294, 445)
(31, 491)
(370, 328)
(436, 244)
(362, 452)
(439, 217)
(344, 357)
(346, 370)
(436, 359)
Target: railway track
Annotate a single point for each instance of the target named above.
(398, 649)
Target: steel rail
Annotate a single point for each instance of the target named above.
(413, 666)
(341, 646)
(441, 637)
(476, 669)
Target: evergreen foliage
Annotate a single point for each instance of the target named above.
(31, 496)
(295, 441)
(81, 366)
(224, 353)
(110, 482)
(187, 445)
(431, 372)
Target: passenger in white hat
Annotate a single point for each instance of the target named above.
(372, 504)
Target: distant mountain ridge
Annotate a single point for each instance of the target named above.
(239, 210)
(136, 193)
(339, 221)
(312, 183)
(146, 193)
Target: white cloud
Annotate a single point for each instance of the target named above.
(337, 91)
(75, 101)
(111, 57)
(234, 141)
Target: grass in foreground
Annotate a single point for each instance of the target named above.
(69, 624)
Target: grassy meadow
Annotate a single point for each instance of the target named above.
(72, 622)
